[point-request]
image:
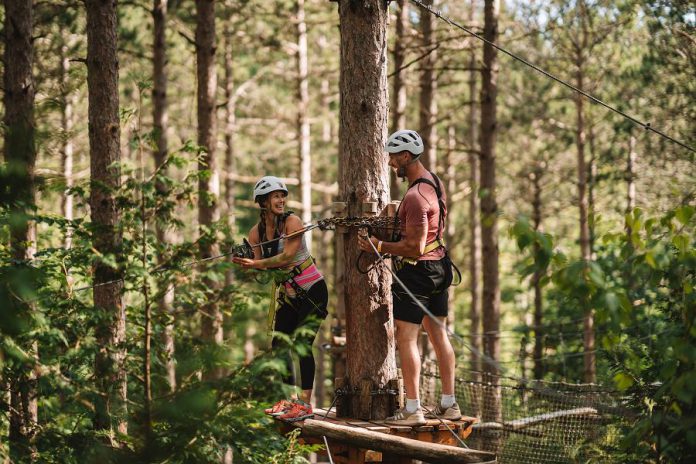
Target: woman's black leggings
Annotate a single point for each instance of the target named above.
(307, 313)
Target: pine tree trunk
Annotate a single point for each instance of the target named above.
(591, 179)
(536, 280)
(105, 153)
(630, 177)
(230, 132)
(450, 233)
(363, 177)
(304, 155)
(20, 156)
(208, 186)
(398, 107)
(585, 251)
(474, 229)
(489, 215)
(67, 148)
(428, 87)
(165, 304)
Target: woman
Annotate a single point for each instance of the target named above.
(304, 295)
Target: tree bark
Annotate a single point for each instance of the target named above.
(67, 146)
(303, 139)
(208, 185)
(428, 87)
(20, 156)
(363, 177)
(450, 232)
(536, 279)
(105, 153)
(589, 360)
(230, 157)
(398, 109)
(630, 177)
(474, 228)
(489, 215)
(165, 303)
(230, 132)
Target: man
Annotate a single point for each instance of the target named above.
(425, 269)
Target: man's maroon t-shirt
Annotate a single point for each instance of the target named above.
(420, 207)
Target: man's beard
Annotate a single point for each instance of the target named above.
(401, 172)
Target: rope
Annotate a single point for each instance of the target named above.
(490, 361)
(459, 439)
(324, 224)
(328, 451)
(540, 70)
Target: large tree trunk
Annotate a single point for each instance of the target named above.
(428, 87)
(208, 186)
(450, 180)
(630, 177)
(536, 279)
(475, 339)
(363, 177)
(67, 146)
(303, 119)
(489, 216)
(230, 160)
(165, 303)
(585, 249)
(20, 156)
(398, 106)
(104, 134)
(230, 132)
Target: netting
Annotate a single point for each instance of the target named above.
(526, 421)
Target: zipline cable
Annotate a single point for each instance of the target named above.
(589, 96)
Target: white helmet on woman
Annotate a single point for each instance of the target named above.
(268, 184)
(405, 140)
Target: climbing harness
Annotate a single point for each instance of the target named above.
(487, 359)
(279, 295)
(439, 242)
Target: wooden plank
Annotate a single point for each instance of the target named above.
(368, 426)
(365, 439)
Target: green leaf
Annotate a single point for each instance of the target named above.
(684, 214)
(681, 241)
(623, 381)
(650, 259)
(612, 302)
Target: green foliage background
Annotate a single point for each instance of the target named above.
(640, 285)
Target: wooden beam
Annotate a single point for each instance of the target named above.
(377, 441)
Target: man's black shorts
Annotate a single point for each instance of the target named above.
(428, 281)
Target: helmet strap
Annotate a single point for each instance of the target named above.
(415, 158)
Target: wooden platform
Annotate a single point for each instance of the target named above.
(434, 432)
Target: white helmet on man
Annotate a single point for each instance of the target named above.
(404, 140)
(268, 184)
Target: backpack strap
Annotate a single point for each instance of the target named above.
(440, 200)
(271, 249)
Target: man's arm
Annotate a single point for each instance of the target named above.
(413, 246)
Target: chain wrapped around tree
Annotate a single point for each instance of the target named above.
(373, 224)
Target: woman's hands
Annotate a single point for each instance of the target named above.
(246, 263)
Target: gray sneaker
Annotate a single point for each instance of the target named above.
(451, 413)
(403, 417)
